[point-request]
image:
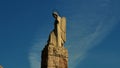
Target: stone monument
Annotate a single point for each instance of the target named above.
(54, 54)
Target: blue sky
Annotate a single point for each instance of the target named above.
(93, 31)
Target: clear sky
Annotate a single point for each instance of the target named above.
(93, 32)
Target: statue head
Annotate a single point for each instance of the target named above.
(55, 15)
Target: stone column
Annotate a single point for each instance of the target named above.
(54, 57)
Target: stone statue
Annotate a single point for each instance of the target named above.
(57, 36)
(54, 54)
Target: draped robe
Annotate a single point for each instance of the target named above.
(57, 36)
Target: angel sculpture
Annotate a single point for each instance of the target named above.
(57, 36)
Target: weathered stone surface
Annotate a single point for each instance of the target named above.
(54, 57)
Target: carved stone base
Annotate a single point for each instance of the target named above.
(54, 57)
